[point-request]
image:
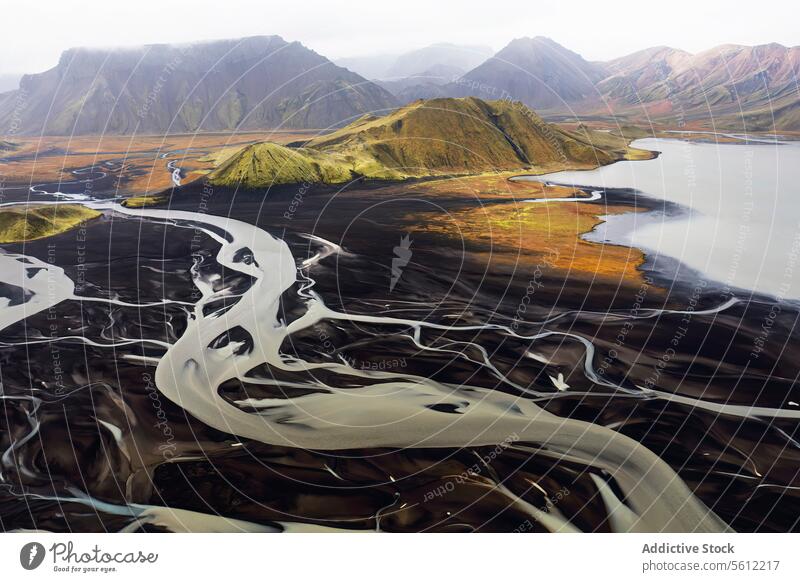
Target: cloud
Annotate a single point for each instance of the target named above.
(362, 27)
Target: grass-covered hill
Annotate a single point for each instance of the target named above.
(22, 223)
(428, 137)
(266, 163)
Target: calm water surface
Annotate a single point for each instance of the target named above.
(741, 201)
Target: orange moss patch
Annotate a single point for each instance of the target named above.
(518, 230)
(492, 186)
(143, 170)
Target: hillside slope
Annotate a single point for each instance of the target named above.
(24, 223)
(537, 71)
(729, 84)
(266, 164)
(436, 137)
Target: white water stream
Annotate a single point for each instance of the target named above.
(389, 409)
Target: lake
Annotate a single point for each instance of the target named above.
(741, 220)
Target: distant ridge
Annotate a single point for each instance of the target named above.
(537, 71)
(414, 63)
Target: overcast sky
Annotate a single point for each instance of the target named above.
(35, 32)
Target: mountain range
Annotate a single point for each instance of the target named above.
(742, 87)
(266, 82)
(228, 85)
(756, 85)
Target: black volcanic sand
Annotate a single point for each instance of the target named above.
(100, 180)
(63, 400)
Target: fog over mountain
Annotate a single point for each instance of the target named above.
(417, 62)
(9, 82)
(226, 85)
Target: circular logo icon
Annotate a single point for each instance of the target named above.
(31, 555)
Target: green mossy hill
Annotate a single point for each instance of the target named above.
(143, 201)
(266, 164)
(19, 224)
(425, 138)
(611, 146)
(459, 136)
